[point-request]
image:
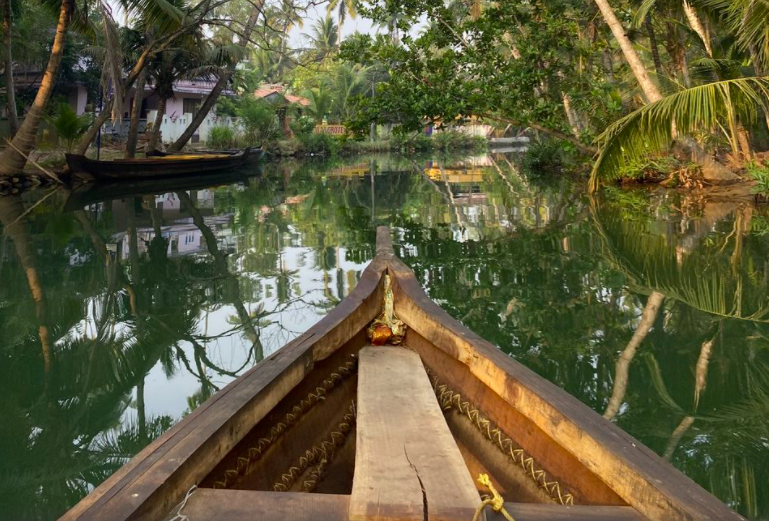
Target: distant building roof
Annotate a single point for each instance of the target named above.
(270, 92)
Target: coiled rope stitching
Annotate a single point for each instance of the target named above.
(449, 399)
(255, 452)
(320, 454)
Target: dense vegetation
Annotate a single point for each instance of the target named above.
(656, 75)
(648, 87)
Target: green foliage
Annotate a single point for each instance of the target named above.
(649, 167)
(546, 157)
(649, 130)
(68, 125)
(259, 121)
(221, 137)
(759, 173)
(440, 141)
(320, 144)
(302, 126)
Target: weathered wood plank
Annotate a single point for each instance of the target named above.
(241, 505)
(640, 477)
(407, 465)
(207, 504)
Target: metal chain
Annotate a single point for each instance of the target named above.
(449, 399)
(255, 452)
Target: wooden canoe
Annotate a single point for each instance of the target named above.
(332, 428)
(156, 167)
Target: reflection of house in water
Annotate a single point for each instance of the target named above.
(175, 223)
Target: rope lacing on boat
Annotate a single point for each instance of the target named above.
(255, 452)
(449, 400)
(321, 454)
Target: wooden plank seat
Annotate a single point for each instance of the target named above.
(407, 464)
(237, 505)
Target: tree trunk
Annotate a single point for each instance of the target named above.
(649, 315)
(82, 146)
(654, 46)
(11, 161)
(696, 24)
(136, 112)
(10, 88)
(155, 135)
(11, 216)
(232, 286)
(650, 90)
(208, 104)
(572, 116)
(224, 78)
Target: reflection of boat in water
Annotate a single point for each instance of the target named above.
(91, 193)
(455, 175)
(332, 427)
(160, 166)
(357, 170)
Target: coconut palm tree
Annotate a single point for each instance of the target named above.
(324, 37)
(12, 159)
(343, 8)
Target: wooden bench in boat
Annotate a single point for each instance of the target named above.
(239, 505)
(407, 464)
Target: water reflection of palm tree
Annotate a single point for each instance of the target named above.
(231, 282)
(14, 225)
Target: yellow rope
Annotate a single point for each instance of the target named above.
(255, 452)
(449, 399)
(496, 501)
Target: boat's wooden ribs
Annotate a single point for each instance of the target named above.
(407, 465)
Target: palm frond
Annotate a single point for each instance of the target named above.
(642, 12)
(650, 129)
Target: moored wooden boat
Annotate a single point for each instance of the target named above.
(256, 153)
(156, 167)
(331, 427)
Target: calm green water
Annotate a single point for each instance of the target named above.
(118, 318)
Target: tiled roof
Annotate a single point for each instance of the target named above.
(268, 90)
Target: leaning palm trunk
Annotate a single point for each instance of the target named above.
(10, 88)
(224, 79)
(650, 90)
(696, 24)
(82, 146)
(711, 170)
(649, 315)
(136, 112)
(208, 104)
(155, 134)
(12, 159)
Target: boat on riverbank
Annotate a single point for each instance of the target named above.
(158, 167)
(388, 409)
